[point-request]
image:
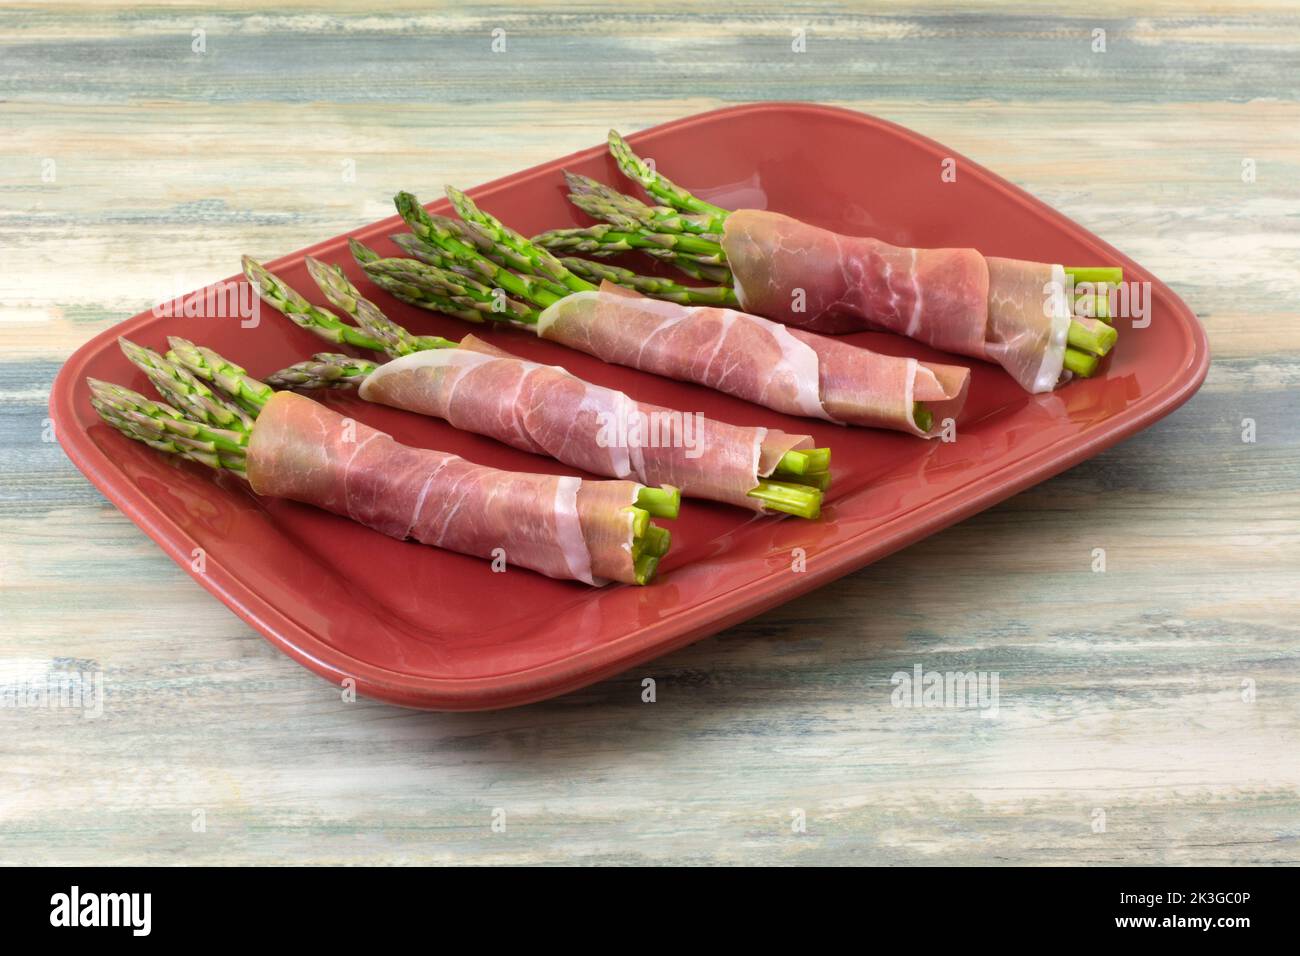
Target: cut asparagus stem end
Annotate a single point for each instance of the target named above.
(819, 459)
(644, 567)
(1100, 304)
(1110, 274)
(807, 461)
(1096, 336)
(821, 480)
(793, 463)
(640, 521)
(656, 541)
(662, 502)
(923, 417)
(801, 501)
(1081, 363)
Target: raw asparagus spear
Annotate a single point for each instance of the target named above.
(541, 261)
(322, 322)
(662, 188)
(206, 364)
(608, 204)
(429, 287)
(323, 370)
(1080, 363)
(181, 388)
(606, 240)
(422, 295)
(789, 497)
(473, 247)
(161, 426)
(719, 295)
(396, 340)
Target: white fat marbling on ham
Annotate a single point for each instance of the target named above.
(572, 543)
(1029, 321)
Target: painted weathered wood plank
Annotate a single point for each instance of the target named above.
(1160, 698)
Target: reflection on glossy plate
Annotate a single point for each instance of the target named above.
(425, 628)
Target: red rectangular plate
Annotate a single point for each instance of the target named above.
(426, 628)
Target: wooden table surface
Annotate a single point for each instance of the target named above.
(1147, 714)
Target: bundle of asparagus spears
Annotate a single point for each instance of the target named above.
(954, 299)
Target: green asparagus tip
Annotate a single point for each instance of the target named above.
(789, 497)
(1081, 363)
(459, 200)
(361, 252)
(98, 387)
(255, 272)
(1095, 337)
(662, 502)
(644, 567)
(923, 417)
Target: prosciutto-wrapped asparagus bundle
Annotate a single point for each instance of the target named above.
(543, 409)
(561, 526)
(292, 447)
(1015, 313)
(546, 410)
(1012, 312)
(788, 370)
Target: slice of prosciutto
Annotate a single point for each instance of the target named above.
(788, 370)
(563, 527)
(1009, 311)
(547, 410)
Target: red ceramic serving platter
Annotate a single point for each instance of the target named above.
(426, 628)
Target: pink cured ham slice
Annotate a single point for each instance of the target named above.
(895, 384)
(928, 294)
(787, 370)
(563, 527)
(548, 411)
(953, 299)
